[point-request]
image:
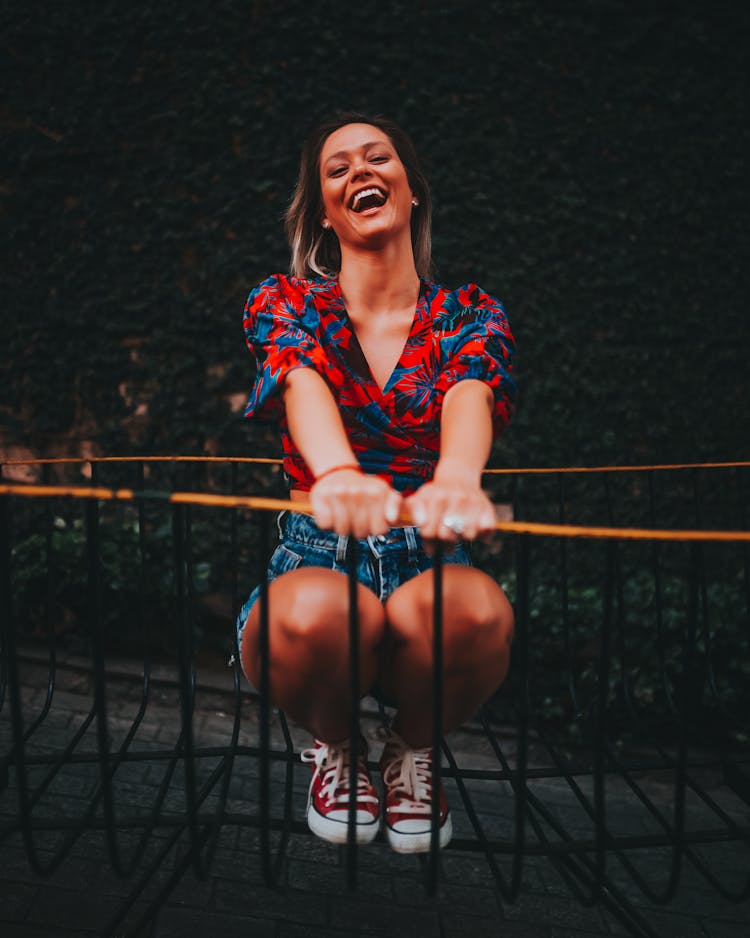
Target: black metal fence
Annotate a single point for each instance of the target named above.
(629, 684)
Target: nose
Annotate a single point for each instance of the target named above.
(360, 167)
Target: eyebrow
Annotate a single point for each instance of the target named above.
(342, 154)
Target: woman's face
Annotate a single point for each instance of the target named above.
(366, 194)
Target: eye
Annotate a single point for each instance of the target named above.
(380, 158)
(337, 171)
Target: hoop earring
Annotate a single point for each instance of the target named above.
(325, 224)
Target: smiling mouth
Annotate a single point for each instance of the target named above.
(373, 197)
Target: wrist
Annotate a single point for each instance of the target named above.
(456, 471)
(341, 467)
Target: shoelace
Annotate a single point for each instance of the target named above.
(332, 764)
(410, 774)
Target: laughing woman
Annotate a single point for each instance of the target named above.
(388, 390)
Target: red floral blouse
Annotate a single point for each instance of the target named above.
(456, 334)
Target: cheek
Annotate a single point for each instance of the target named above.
(330, 196)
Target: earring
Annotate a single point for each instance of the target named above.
(415, 201)
(325, 223)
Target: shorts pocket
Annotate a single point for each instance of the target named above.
(282, 561)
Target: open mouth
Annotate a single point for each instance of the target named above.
(372, 197)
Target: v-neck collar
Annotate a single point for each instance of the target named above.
(363, 370)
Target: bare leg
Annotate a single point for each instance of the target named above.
(309, 648)
(477, 632)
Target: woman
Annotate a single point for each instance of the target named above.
(388, 389)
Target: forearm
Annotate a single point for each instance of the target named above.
(315, 423)
(465, 433)
(347, 501)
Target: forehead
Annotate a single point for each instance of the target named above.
(351, 137)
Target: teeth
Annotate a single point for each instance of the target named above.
(360, 195)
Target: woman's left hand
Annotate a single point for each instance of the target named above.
(452, 507)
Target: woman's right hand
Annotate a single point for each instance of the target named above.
(348, 501)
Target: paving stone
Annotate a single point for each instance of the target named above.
(378, 918)
(82, 910)
(192, 892)
(292, 930)
(725, 929)
(289, 904)
(466, 899)
(22, 930)
(455, 925)
(182, 923)
(666, 924)
(554, 911)
(333, 879)
(16, 900)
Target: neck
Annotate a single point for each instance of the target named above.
(374, 281)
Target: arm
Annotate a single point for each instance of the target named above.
(346, 501)
(465, 443)
(314, 422)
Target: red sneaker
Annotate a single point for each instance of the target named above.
(407, 777)
(328, 801)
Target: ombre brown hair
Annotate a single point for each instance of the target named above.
(315, 250)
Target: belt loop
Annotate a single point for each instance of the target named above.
(341, 546)
(411, 540)
(279, 519)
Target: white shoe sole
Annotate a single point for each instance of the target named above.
(417, 843)
(337, 832)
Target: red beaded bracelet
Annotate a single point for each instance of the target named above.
(328, 472)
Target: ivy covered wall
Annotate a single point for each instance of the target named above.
(589, 166)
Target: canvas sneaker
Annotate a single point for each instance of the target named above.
(328, 801)
(407, 777)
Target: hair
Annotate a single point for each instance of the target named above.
(315, 250)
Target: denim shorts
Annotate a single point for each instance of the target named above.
(384, 561)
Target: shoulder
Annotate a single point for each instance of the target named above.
(279, 287)
(284, 294)
(466, 305)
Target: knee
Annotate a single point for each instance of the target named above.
(476, 636)
(489, 618)
(317, 614)
(478, 621)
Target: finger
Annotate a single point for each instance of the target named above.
(377, 520)
(393, 508)
(487, 521)
(341, 516)
(384, 510)
(360, 521)
(470, 531)
(322, 512)
(447, 534)
(418, 513)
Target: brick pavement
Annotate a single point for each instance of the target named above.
(84, 892)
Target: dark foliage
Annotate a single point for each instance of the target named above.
(588, 162)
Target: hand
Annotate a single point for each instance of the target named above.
(452, 507)
(349, 502)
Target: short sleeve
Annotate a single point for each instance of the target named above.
(476, 342)
(280, 330)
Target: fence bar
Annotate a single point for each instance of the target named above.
(437, 717)
(352, 551)
(265, 704)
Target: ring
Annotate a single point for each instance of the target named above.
(455, 523)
